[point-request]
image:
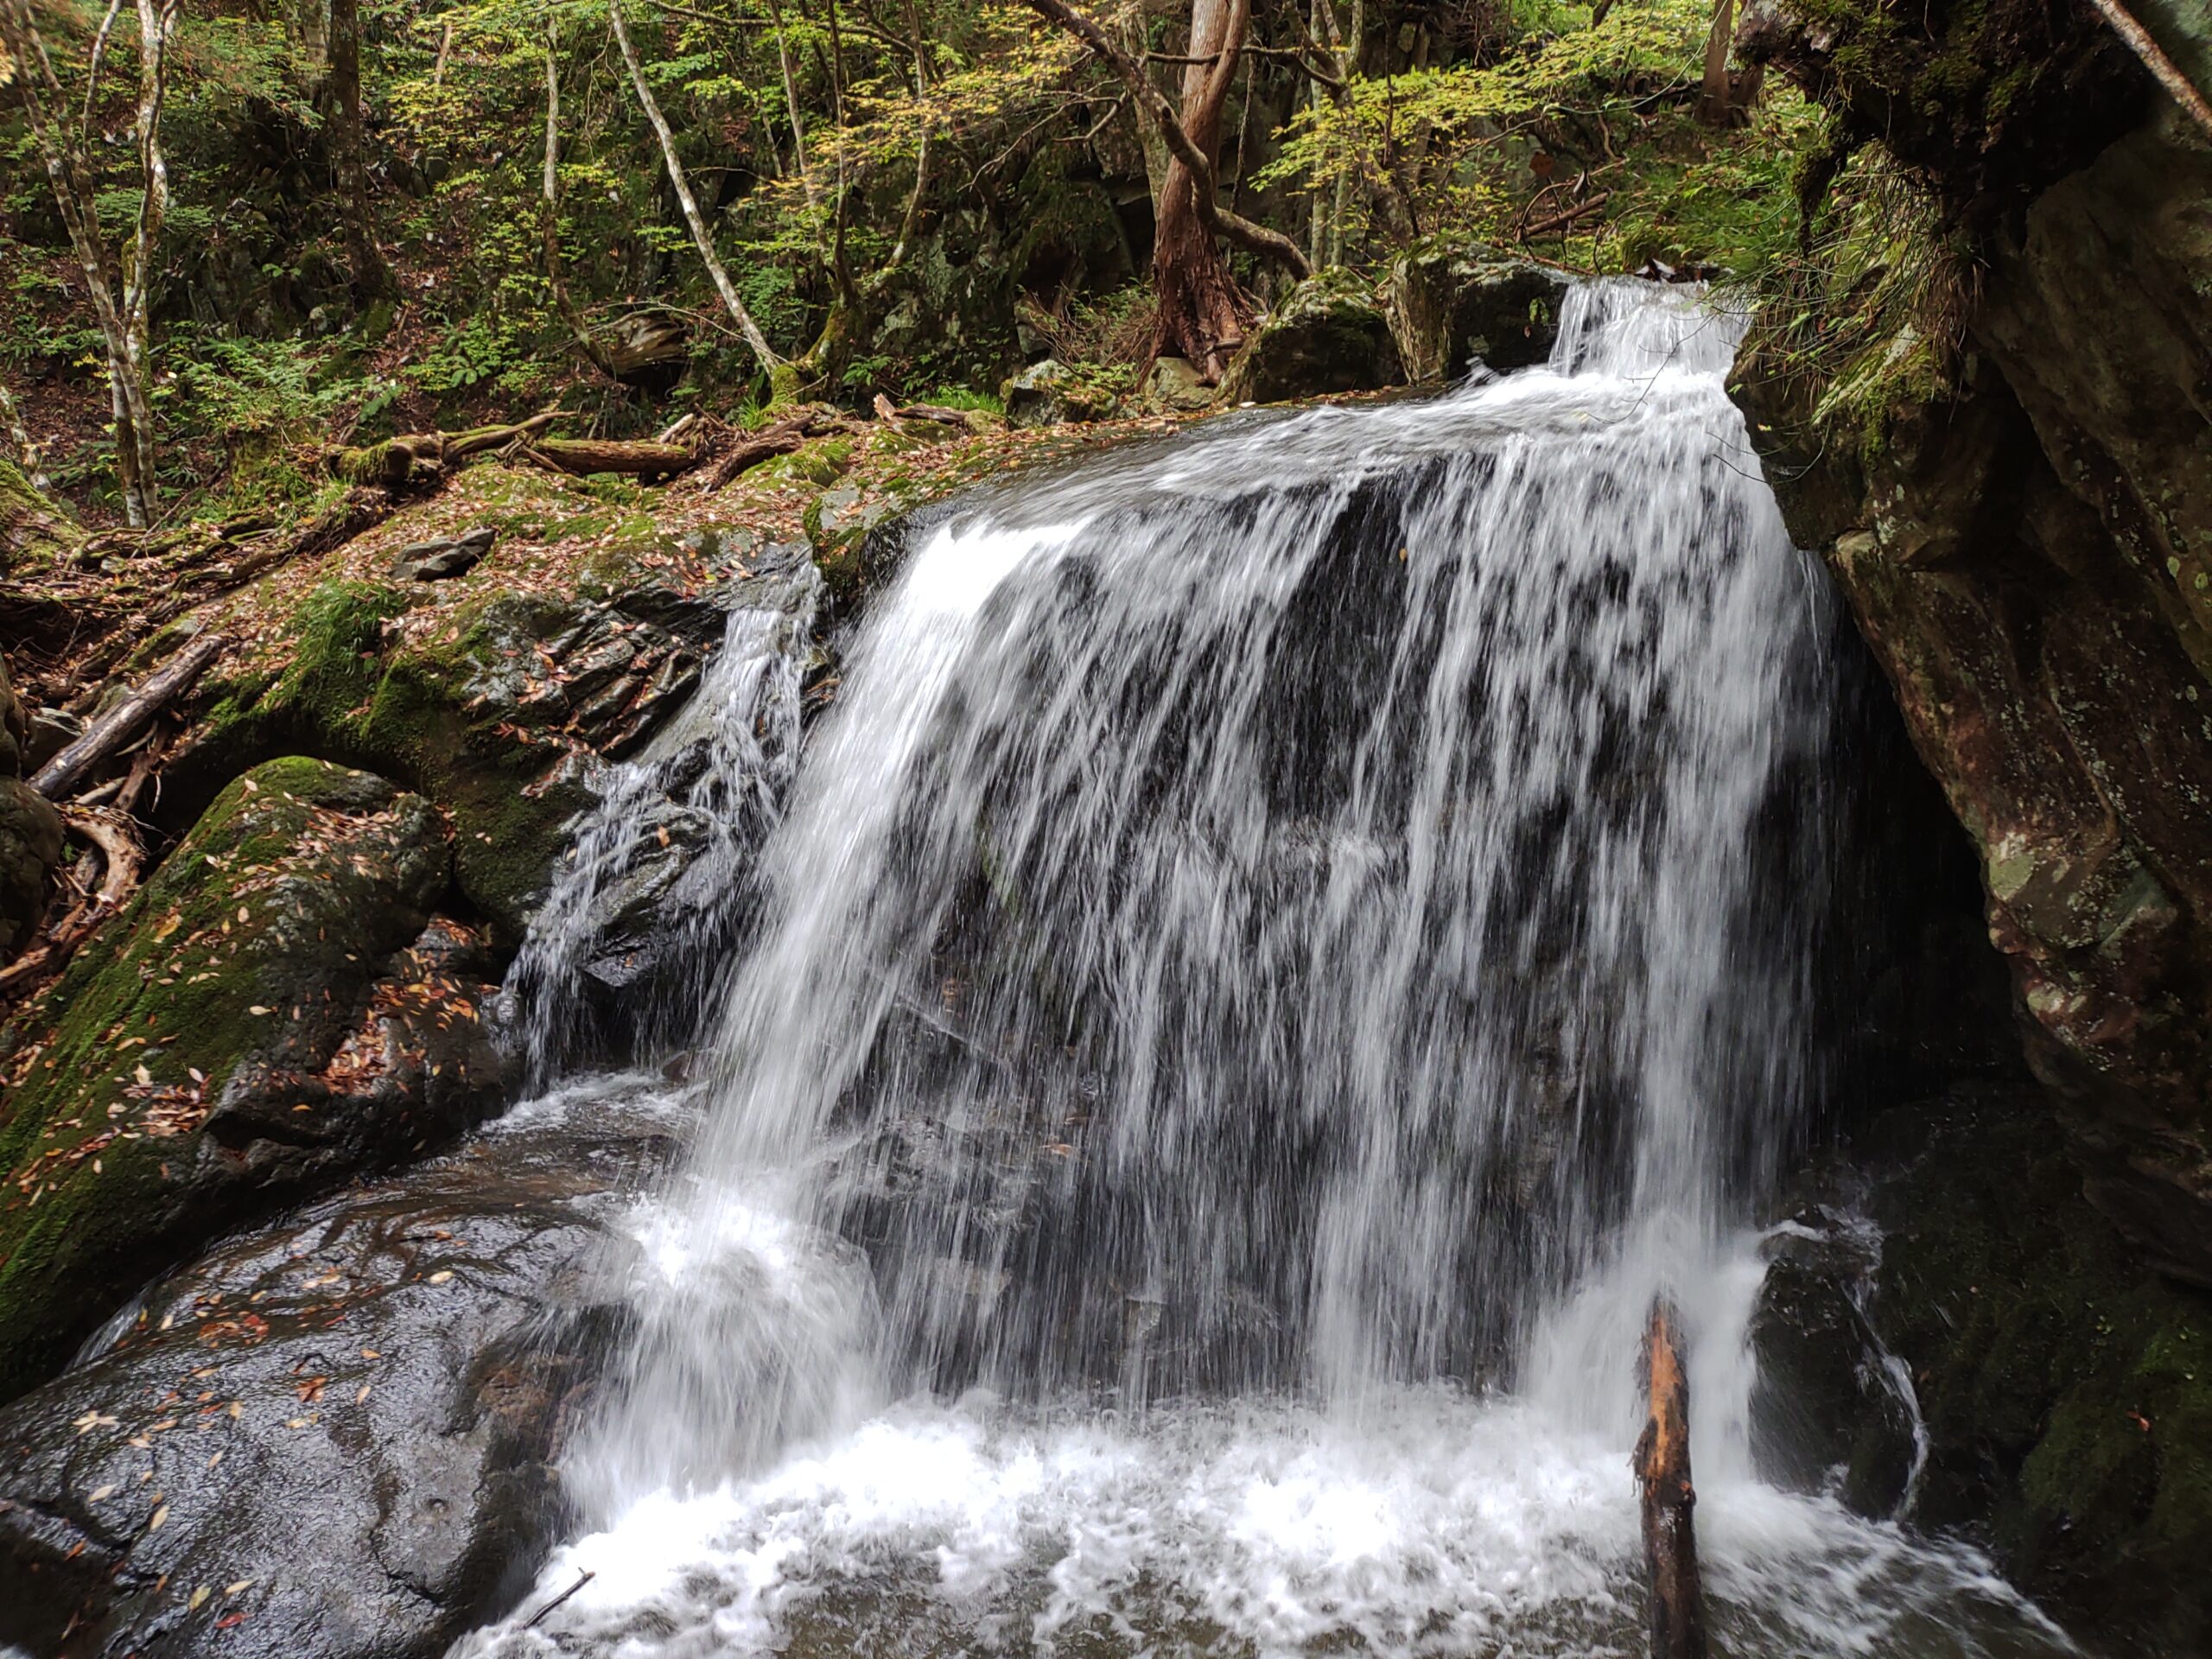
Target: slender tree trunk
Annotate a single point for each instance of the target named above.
(119, 296)
(371, 276)
(1714, 105)
(1202, 313)
(762, 352)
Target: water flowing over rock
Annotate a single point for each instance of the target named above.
(1286, 942)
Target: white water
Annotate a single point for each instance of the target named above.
(1286, 944)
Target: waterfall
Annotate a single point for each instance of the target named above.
(1291, 936)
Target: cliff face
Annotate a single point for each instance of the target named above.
(2030, 552)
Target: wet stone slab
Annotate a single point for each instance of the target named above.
(334, 1436)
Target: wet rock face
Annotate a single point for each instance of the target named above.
(2031, 561)
(1328, 335)
(1452, 307)
(498, 710)
(334, 1437)
(278, 1013)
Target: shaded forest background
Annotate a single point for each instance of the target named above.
(354, 217)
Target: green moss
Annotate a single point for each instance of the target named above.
(2060, 1379)
(250, 947)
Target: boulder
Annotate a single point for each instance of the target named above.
(334, 1438)
(1453, 307)
(439, 560)
(1049, 393)
(1328, 335)
(2027, 545)
(1175, 387)
(30, 849)
(499, 706)
(1827, 1410)
(278, 1013)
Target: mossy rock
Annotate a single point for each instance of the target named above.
(172, 1085)
(2066, 1389)
(1454, 306)
(497, 709)
(1328, 335)
(31, 527)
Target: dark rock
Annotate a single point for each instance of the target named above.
(335, 1438)
(499, 706)
(262, 1027)
(2027, 545)
(1328, 335)
(439, 561)
(30, 849)
(2065, 1392)
(1453, 307)
(51, 730)
(1826, 1403)
(30, 829)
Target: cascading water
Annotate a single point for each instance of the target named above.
(1288, 942)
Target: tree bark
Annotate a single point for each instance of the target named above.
(762, 352)
(1716, 104)
(371, 276)
(1662, 1470)
(1202, 313)
(120, 296)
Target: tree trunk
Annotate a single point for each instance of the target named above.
(1202, 313)
(763, 354)
(371, 276)
(1715, 105)
(108, 287)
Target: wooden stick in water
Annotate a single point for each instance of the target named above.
(1662, 1473)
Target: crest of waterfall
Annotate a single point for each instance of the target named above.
(659, 872)
(1273, 911)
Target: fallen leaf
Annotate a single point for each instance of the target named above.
(441, 1276)
(160, 1514)
(199, 1599)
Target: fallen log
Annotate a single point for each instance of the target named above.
(109, 735)
(395, 461)
(780, 439)
(1663, 1474)
(583, 456)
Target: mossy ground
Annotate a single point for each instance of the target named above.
(2067, 1388)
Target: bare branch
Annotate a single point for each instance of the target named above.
(2154, 59)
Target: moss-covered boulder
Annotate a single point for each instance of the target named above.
(497, 707)
(1328, 335)
(272, 1017)
(1453, 306)
(31, 527)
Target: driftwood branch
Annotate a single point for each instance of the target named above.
(109, 735)
(122, 860)
(1662, 1471)
(781, 439)
(2167, 71)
